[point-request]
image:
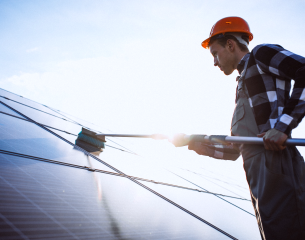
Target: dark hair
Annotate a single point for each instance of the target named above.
(223, 38)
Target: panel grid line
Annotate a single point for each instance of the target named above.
(62, 131)
(38, 207)
(112, 173)
(68, 120)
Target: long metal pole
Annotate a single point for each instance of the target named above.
(253, 140)
(207, 138)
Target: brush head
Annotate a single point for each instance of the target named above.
(88, 140)
(92, 134)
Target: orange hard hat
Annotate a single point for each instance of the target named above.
(228, 24)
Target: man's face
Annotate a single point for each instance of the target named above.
(223, 57)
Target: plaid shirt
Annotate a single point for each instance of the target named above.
(267, 81)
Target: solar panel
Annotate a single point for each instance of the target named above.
(4, 109)
(122, 207)
(27, 138)
(12, 98)
(230, 218)
(46, 201)
(58, 121)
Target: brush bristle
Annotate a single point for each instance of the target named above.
(90, 140)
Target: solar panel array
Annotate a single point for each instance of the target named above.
(52, 189)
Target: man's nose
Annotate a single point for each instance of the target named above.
(215, 62)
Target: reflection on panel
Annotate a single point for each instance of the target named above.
(66, 202)
(27, 138)
(47, 115)
(9, 111)
(216, 211)
(246, 205)
(44, 118)
(216, 183)
(49, 120)
(133, 165)
(82, 122)
(46, 201)
(141, 167)
(25, 101)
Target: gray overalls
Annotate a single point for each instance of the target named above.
(276, 179)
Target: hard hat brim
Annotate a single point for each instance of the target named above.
(205, 43)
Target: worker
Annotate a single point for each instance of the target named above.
(264, 108)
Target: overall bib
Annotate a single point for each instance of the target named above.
(276, 179)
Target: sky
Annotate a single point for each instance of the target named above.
(135, 66)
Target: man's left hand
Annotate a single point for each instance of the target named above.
(274, 139)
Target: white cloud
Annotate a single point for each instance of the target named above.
(24, 79)
(149, 86)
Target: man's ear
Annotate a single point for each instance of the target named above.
(230, 45)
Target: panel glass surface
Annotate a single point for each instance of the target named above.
(141, 167)
(132, 164)
(214, 183)
(216, 211)
(25, 101)
(47, 201)
(44, 118)
(81, 121)
(9, 111)
(49, 120)
(27, 138)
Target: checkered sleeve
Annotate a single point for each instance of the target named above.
(218, 151)
(284, 65)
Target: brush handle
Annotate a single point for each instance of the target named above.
(124, 135)
(242, 140)
(182, 139)
(154, 136)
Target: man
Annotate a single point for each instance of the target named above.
(264, 108)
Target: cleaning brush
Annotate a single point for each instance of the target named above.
(92, 141)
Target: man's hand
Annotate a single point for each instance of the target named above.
(199, 148)
(274, 139)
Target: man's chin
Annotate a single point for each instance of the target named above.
(226, 72)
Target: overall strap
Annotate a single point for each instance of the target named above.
(240, 80)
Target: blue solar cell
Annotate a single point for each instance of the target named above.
(9, 111)
(19, 99)
(233, 220)
(27, 138)
(46, 201)
(108, 194)
(55, 120)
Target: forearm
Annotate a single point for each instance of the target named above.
(219, 151)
